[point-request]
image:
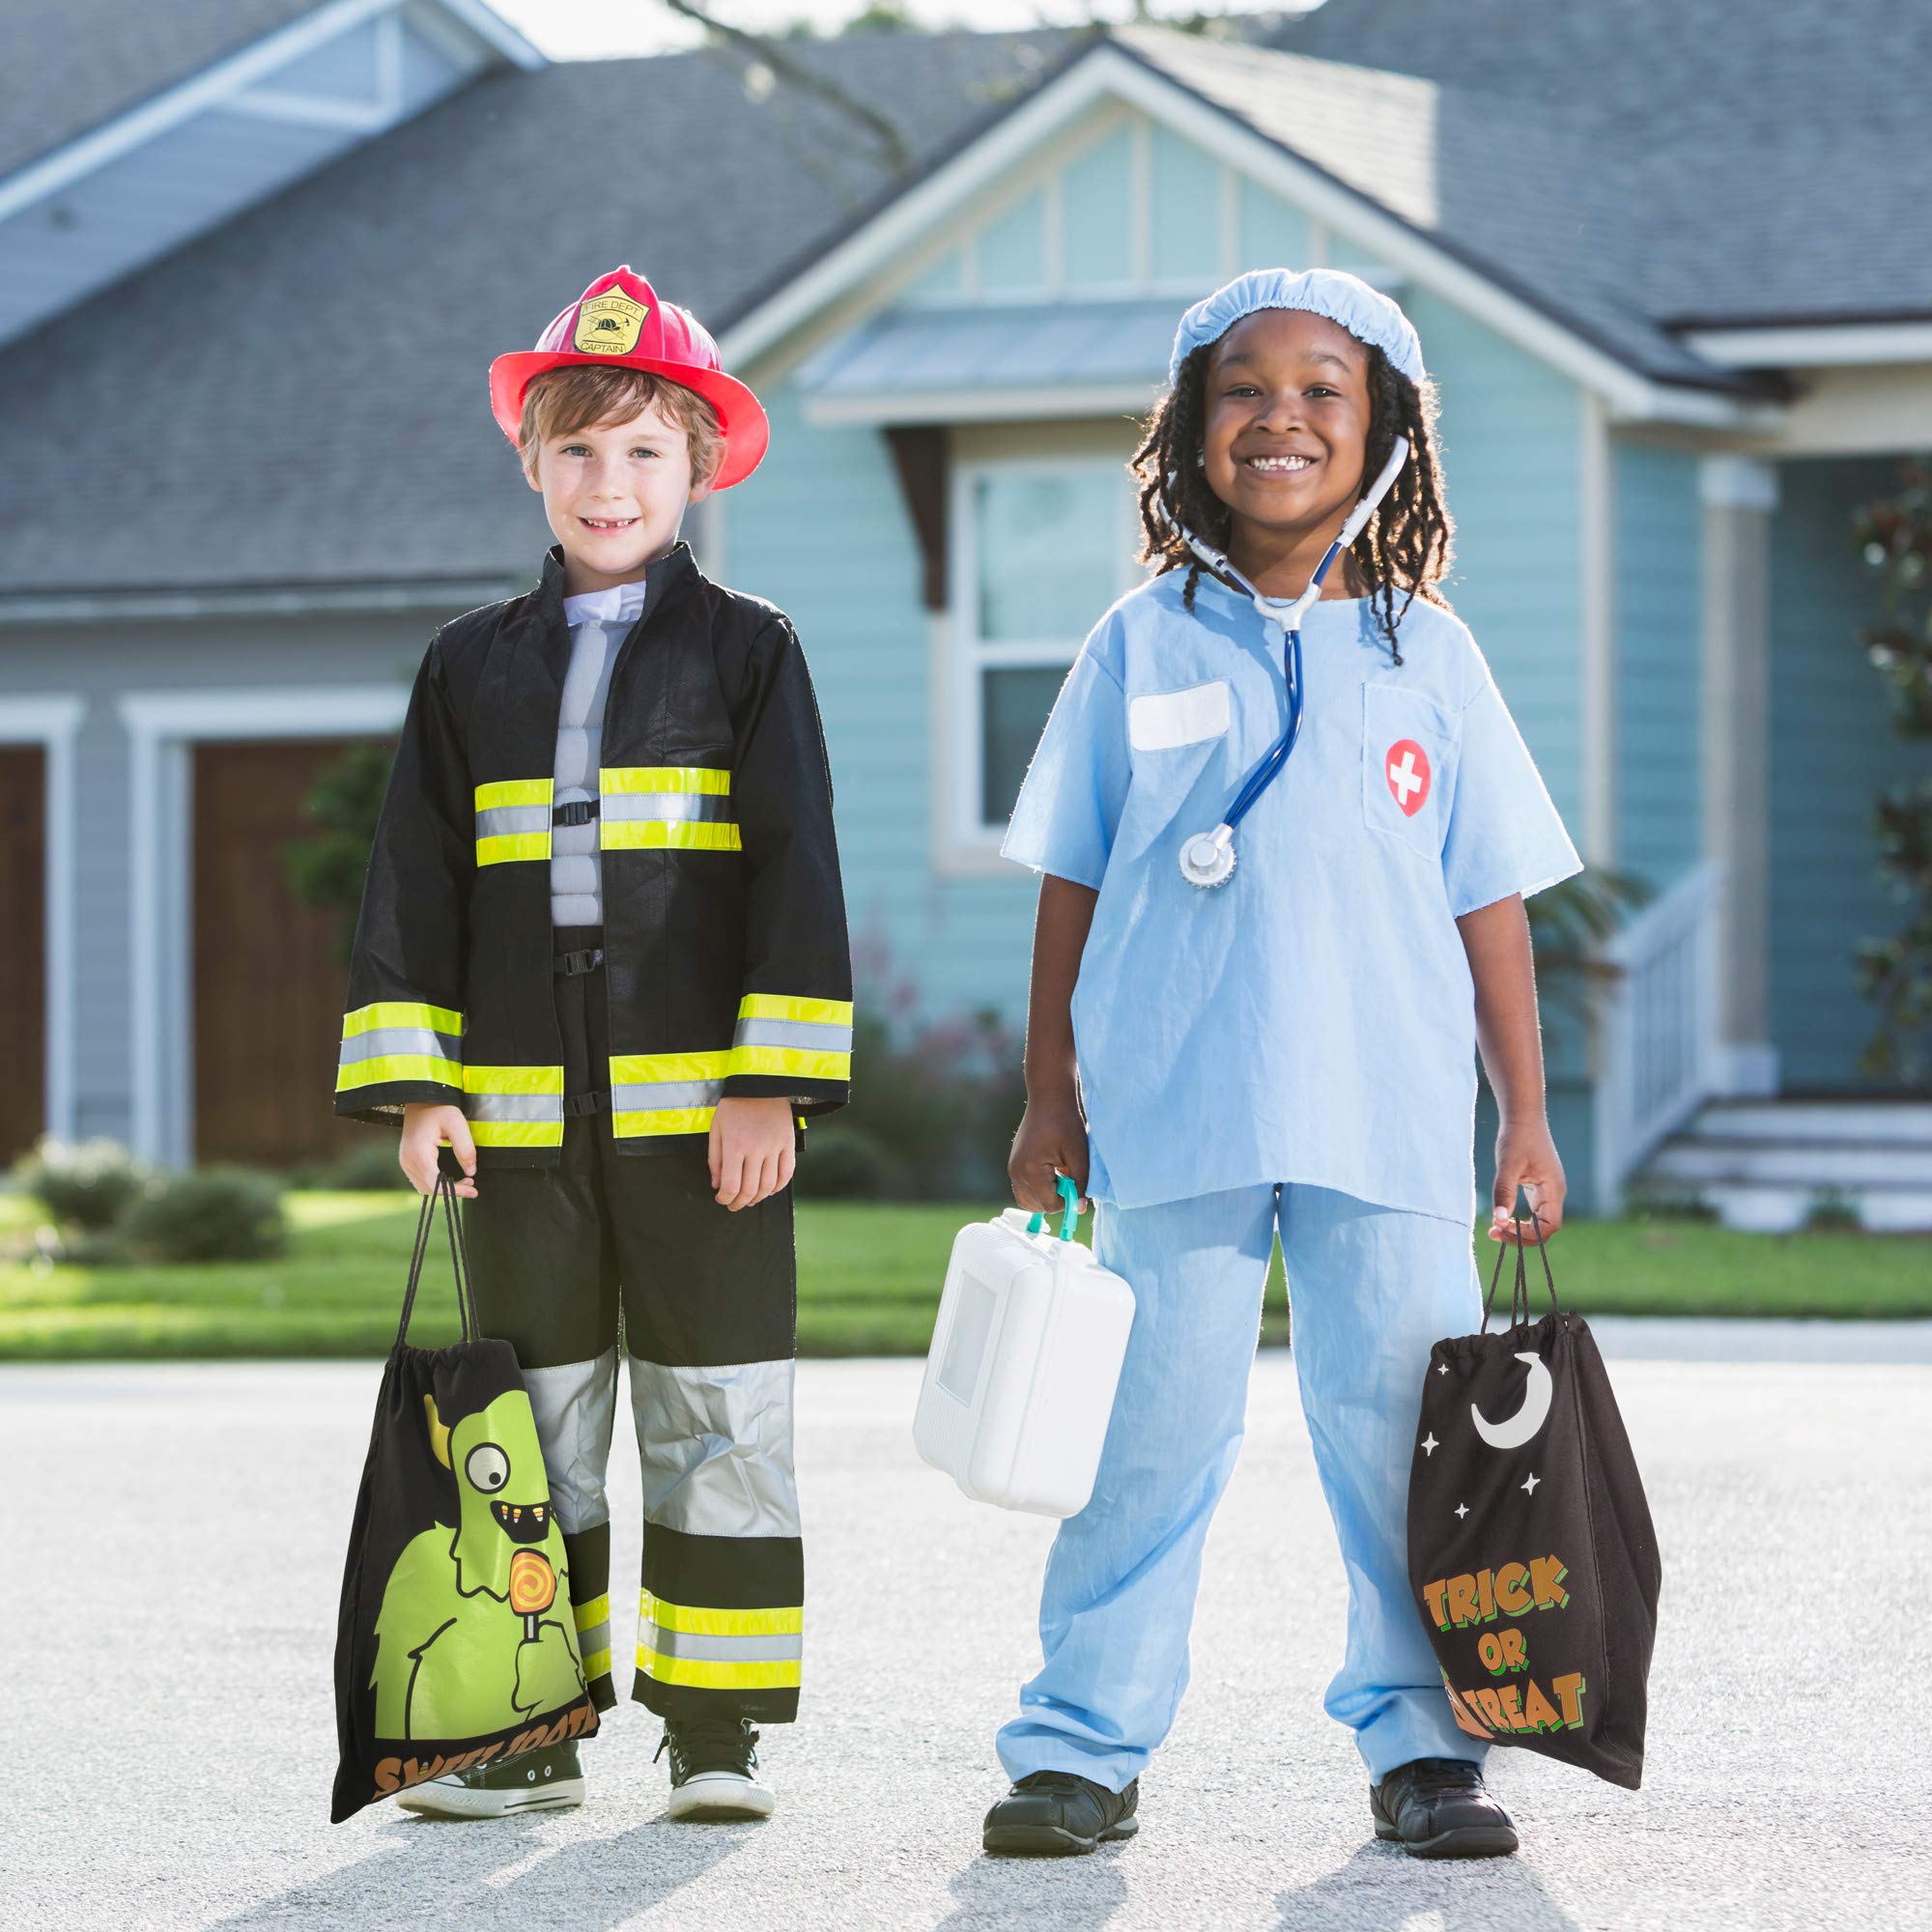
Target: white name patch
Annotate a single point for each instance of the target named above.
(1161, 720)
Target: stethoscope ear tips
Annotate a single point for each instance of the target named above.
(1207, 858)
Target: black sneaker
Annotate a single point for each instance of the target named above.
(538, 1780)
(1439, 1807)
(1054, 1812)
(714, 1768)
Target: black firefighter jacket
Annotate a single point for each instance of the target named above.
(726, 958)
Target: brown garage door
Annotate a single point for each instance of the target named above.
(23, 885)
(268, 987)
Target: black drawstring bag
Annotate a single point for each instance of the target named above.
(456, 1644)
(1530, 1546)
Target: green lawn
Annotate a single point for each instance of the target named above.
(869, 1279)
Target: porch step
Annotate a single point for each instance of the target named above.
(1769, 1165)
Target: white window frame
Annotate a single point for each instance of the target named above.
(967, 844)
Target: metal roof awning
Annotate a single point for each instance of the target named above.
(983, 362)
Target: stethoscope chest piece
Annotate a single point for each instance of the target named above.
(1207, 858)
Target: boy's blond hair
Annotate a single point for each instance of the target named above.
(561, 402)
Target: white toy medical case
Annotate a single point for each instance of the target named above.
(1026, 1355)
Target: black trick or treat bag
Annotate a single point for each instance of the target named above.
(456, 1643)
(1530, 1546)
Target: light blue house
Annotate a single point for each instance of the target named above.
(1651, 455)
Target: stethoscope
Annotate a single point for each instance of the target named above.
(1207, 858)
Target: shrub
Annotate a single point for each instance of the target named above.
(847, 1163)
(87, 1185)
(211, 1214)
(371, 1163)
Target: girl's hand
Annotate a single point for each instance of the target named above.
(752, 1150)
(1526, 1158)
(426, 1125)
(1052, 1139)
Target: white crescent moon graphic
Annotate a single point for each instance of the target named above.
(1528, 1419)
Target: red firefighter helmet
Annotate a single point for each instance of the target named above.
(619, 319)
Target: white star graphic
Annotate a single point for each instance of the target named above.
(1529, 1488)
(1462, 1509)
(1441, 1368)
(1430, 1445)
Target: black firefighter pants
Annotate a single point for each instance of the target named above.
(567, 1258)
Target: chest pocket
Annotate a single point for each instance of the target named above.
(1406, 749)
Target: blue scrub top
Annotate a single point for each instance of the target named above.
(1313, 1020)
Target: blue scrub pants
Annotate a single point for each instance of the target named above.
(1371, 1290)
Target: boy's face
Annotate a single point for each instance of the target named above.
(616, 495)
(1282, 384)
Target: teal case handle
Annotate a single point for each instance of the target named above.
(1069, 1194)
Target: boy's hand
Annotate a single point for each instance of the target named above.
(1052, 1139)
(1526, 1158)
(426, 1125)
(753, 1153)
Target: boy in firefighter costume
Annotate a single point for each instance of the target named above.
(603, 956)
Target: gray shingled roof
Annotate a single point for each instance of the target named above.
(1771, 158)
(66, 66)
(300, 396)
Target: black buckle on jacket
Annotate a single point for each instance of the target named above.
(592, 1102)
(579, 812)
(571, 964)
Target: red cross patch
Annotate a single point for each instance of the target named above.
(1405, 767)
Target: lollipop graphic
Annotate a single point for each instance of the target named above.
(532, 1588)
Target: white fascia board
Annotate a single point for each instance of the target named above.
(1011, 405)
(105, 607)
(1820, 346)
(1108, 71)
(269, 711)
(216, 86)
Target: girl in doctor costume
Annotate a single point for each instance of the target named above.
(1272, 969)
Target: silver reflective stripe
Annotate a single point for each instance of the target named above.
(722, 1649)
(814, 1035)
(667, 805)
(513, 1106)
(499, 820)
(574, 1407)
(386, 1040)
(648, 1096)
(715, 1447)
(597, 1638)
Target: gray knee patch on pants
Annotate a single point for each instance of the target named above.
(715, 1447)
(574, 1407)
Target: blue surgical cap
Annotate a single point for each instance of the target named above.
(1366, 313)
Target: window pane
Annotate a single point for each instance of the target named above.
(1050, 544)
(1014, 709)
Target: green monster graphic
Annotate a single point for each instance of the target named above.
(475, 1634)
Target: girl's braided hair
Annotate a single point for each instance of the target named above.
(1408, 543)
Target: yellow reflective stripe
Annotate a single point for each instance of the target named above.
(789, 1007)
(513, 792)
(517, 1133)
(400, 1013)
(664, 778)
(504, 847)
(627, 1067)
(597, 1664)
(662, 835)
(708, 1673)
(797, 1061)
(513, 1080)
(663, 1121)
(785, 1621)
(596, 1612)
(355, 1073)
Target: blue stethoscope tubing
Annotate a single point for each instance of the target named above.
(1207, 858)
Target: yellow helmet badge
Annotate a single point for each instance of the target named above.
(608, 324)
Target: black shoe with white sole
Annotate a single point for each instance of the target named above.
(1439, 1807)
(714, 1768)
(538, 1780)
(1054, 1812)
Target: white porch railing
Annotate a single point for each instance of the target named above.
(1655, 1028)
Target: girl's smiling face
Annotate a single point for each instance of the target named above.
(1286, 409)
(614, 495)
